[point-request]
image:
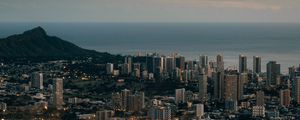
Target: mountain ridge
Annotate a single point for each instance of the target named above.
(36, 43)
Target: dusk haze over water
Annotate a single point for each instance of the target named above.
(270, 41)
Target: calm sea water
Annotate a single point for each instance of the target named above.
(279, 42)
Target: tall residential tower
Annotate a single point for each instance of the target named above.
(256, 64)
(242, 64)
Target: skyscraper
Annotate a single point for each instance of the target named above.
(158, 66)
(220, 63)
(180, 62)
(285, 97)
(187, 75)
(117, 101)
(218, 78)
(150, 64)
(137, 70)
(203, 62)
(37, 80)
(125, 69)
(180, 95)
(137, 66)
(202, 78)
(109, 68)
(58, 93)
(243, 79)
(170, 64)
(297, 90)
(136, 102)
(231, 87)
(256, 64)
(242, 63)
(124, 96)
(190, 65)
(128, 60)
(273, 72)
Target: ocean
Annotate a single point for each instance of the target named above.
(272, 41)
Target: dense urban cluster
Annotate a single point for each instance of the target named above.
(151, 86)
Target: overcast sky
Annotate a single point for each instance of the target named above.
(150, 10)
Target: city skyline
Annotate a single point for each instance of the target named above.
(149, 59)
(45, 77)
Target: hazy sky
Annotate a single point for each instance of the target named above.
(150, 10)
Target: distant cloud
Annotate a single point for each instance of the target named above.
(242, 4)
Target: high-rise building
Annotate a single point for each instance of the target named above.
(127, 101)
(116, 101)
(213, 65)
(203, 62)
(180, 62)
(128, 60)
(137, 73)
(202, 78)
(256, 64)
(210, 69)
(218, 78)
(124, 95)
(137, 66)
(243, 79)
(58, 93)
(187, 75)
(109, 68)
(292, 71)
(180, 95)
(297, 90)
(125, 69)
(137, 70)
(150, 64)
(190, 65)
(37, 80)
(178, 74)
(273, 72)
(199, 110)
(136, 102)
(231, 87)
(104, 114)
(258, 111)
(220, 63)
(260, 98)
(293, 74)
(159, 113)
(285, 97)
(170, 65)
(242, 63)
(158, 66)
